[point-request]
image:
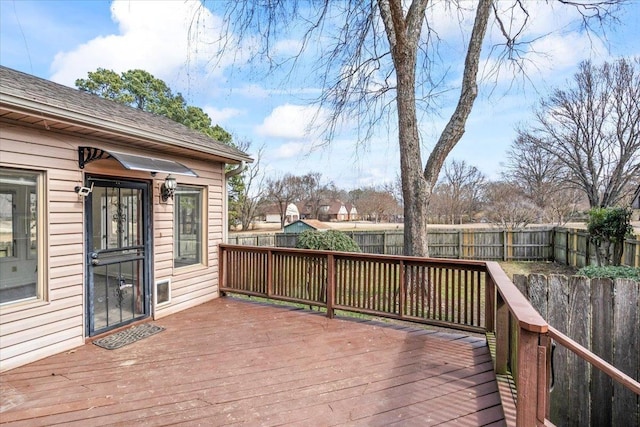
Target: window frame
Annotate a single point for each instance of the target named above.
(24, 252)
(200, 259)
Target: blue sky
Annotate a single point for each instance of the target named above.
(63, 40)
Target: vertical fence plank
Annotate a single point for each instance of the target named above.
(626, 333)
(601, 344)
(537, 288)
(520, 280)
(579, 370)
(557, 317)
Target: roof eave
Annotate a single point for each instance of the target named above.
(46, 111)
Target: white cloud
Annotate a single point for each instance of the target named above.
(288, 47)
(289, 150)
(289, 122)
(221, 115)
(161, 37)
(253, 91)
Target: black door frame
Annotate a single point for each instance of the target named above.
(147, 198)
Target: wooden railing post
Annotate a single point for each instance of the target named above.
(402, 290)
(331, 285)
(544, 377)
(489, 304)
(502, 336)
(527, 378)
(269, 273)
(222, 275)
(532, 404)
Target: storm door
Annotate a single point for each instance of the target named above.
(117, 253)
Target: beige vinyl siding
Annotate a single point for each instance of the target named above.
(34, 329)
(196, 284)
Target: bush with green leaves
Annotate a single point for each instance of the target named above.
(607, 229)
(610, 272)
(331, 240)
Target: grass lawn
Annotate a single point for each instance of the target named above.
(536, 267)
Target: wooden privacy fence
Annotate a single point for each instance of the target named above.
(562, 245)
(604, 316)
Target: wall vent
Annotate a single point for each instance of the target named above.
(162, 292)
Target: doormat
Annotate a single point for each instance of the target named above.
(128, 336)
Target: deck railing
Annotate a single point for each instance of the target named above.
(468, 295)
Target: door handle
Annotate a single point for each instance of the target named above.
(95, 262)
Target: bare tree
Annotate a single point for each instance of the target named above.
(376, 204)
(252, 191)
(459, 191)
(379, 56)
(592, 129)
(508, 206)
(314, 193)
(282, 192)
(541, 177)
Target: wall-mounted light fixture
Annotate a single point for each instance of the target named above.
(167, 188)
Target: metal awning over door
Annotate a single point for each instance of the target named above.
(133, 161)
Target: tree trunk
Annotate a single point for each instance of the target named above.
(414, 187)
(417, 186)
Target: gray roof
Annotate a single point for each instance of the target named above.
(29, 94)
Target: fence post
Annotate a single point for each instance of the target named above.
(384, 242)
(504, 245)
(566, 248)
(460, 236)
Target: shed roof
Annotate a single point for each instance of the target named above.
(41, 103)
(312, 223)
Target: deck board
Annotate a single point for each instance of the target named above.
(231, 362)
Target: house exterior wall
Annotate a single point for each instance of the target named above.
(31, 330)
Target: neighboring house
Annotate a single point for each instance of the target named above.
(334, 211)
(305, 225)
(272, 213)
(108, 215)
(352, 212)
(635, 203)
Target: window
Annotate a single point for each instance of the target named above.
(188, 226)
(20, 235)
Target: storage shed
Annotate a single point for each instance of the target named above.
(304, 225)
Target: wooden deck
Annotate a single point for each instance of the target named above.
(232, 362)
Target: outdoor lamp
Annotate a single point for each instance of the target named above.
(168, 188)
